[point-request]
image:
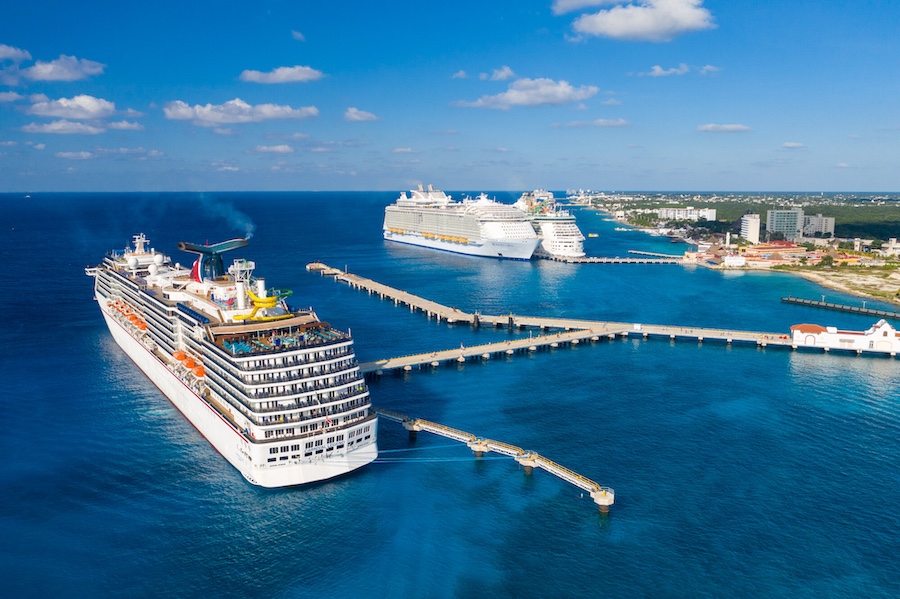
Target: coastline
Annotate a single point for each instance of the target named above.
(883, 286)
(877, 285)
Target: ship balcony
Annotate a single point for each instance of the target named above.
(291, 376)
(254, 394)
(314, 413)
(311, 403)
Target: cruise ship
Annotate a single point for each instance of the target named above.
(560, 235)
(479, 227)
(277, 392)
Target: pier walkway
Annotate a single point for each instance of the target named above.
(602, 496)
(839, 307)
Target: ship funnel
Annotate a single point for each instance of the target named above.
(209, 264)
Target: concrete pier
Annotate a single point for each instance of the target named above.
(603, 496)
(569, 331)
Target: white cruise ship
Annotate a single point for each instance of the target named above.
(560, 235)
(479, 227)
(275, 390)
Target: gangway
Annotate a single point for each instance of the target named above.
(603, 496)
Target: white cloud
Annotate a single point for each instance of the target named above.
(611, 102)
(8, 144)
(460, 74)
(733, 128)
(791, 145)
(227, 169)
(10, 96)
(534, 92)
(298, 36)
(64, 127)
(502, 74)
(280, 149)
(35, 98)
(709, 69)
(649, 20)
(283, 75)
(13, 54)
(123, 151)
(126, 126)
(355, 114)
(599, 123)
(224, 131)
(64, 68)
(658, 71)
(402, 151)
(842, 165)
(234, 111)
(38, 146)
(82, 107)
(75, 155)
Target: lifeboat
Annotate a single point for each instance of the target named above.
(189, 363)
(141, 325)
(179, 355)
(199, 371)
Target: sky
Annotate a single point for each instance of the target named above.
(613, 95)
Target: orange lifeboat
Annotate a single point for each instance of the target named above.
(189, 363)
(179, 355)
(141, 325)
(199, 371)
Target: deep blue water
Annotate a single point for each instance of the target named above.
(738, 471)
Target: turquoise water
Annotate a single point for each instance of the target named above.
(738, 471)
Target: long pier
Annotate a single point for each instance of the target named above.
(603, 260)
(839, 307)
(602, 496)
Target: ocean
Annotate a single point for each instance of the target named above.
(738, 471)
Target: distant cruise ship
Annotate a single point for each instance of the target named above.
(560, 235)
(275, 390)
(479, 227)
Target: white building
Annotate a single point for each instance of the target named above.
(689, 213)
(881, 337)
(750, 228)
(818, 224)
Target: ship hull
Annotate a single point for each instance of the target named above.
(250, 459)
(512, 249)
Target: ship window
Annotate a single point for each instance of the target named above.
(284, 457)
(271, 460)
(273, 450)
(284, 449)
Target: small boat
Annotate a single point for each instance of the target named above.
(593, 235)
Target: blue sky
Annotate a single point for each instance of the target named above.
(698, 95)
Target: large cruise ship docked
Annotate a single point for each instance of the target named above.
(275, 390)
(560, 235)
(479, 227)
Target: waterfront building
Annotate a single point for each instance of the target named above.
(787, 222)
(881, 337)
(750, 227)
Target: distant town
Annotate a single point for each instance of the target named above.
(763, 230)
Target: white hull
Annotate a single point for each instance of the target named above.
(250, 459)
(514, 249)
